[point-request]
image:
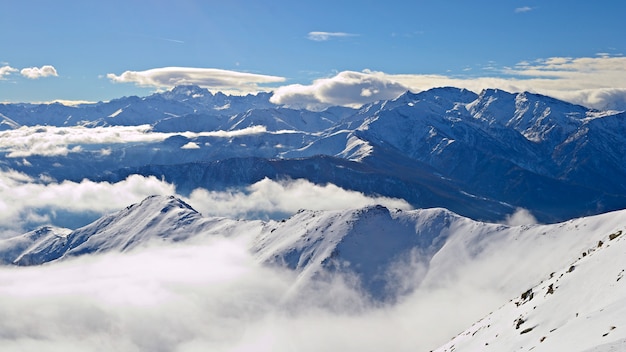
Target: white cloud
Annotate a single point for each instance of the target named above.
(283, 198)
(523, 9)
(27, 203)
(24, 200)
(5, 71)
(156, 299)
(595, 82)
(215, 79)
(146, 301)
(39, 72)
(347, 88)
(59, 141)
(520, 217)
(324, 36)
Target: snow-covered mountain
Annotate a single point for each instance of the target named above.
(480, 155)
(155, 219)
(463, 160)
(566, 279)
(131, 111)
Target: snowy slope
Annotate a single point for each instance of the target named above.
(581, 307)
(12, 248)
(367, 242)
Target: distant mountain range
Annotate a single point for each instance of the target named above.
(479, 155)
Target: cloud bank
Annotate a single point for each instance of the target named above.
(39, 72)
(159, 300)
(214, 79)
(284, 198)
(28, 141)
(214, 296)
(26, 203)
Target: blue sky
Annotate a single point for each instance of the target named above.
(78, 50)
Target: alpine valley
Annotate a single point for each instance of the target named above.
(453, 167)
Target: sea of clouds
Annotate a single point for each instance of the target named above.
(214, 296)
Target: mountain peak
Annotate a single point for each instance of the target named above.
(156, 217)
(187, 91)
(166, 202)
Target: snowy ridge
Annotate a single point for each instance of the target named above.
(156, 218)
(12, 248)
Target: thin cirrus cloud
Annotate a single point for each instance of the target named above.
(214, 79)
(523, 9)
(595, 82)
(39, 72)
(324, 36)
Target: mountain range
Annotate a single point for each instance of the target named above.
(479, 155)
(464, 161)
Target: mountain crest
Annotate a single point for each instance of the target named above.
(187, 91)
(156, 217)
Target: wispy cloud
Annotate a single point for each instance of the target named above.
(324, 36)
(39, 72)
(211, 78)
(173, 40)
(523, 9)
